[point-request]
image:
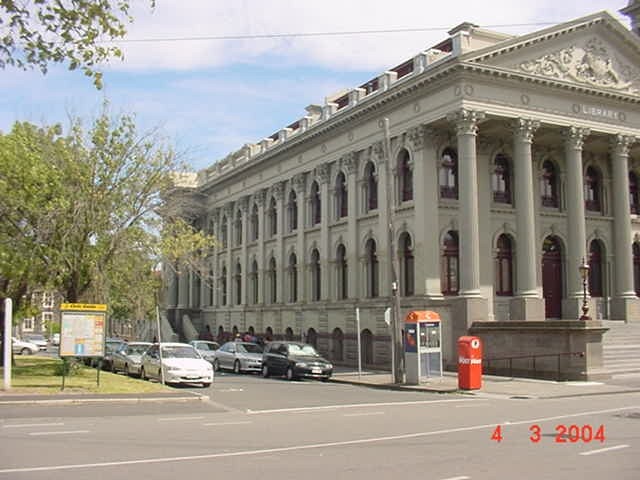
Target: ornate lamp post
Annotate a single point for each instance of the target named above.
(584, 274)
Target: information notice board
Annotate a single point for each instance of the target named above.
(82, 330)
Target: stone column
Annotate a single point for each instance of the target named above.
(300, 184)
(261, 197)
(384, 213)
(465, 122)
(244, 207)
(528, 303)
(624, 304)
(183, 287)
(576, 249)
(230, 266)
(322, 171)
(278, 191)
(350, 163)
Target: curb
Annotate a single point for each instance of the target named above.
(79, 400)
(402, 388)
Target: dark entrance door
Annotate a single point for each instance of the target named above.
(552, 277)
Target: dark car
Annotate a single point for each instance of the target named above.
(294, 360)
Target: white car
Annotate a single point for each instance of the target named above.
(181, 363)
(37, 339)
(24, 348)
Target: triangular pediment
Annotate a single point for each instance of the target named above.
(596, 51)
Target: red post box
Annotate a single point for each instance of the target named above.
(469, 363)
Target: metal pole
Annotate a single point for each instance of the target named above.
(159, 342)
(8, 342)
(396, 331)
(359, 342)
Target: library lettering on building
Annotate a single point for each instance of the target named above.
(503, 163)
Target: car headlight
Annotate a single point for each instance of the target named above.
(301, 364)
(329, 365)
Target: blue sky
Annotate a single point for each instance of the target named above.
(210, 97)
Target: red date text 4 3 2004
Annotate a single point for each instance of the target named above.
(564, 434)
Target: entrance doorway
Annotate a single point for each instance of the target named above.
(552, 276)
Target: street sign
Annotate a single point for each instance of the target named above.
(82, 330)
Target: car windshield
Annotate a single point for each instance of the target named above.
(35, 337)
(206, 346)
(113, 346)
(137, 349)
(179, 352)
(295, 349)
(249, 348)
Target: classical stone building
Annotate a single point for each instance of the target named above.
(499, 162)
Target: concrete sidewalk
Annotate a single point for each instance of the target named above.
(7, 398)
(491, 385)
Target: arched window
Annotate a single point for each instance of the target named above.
(595, 268)
(238, 283)
(197, 288)
(316, 211)
(342, 201)
(501, 180)
(272, 214)
(407, 281)
(370, 187)
(405, 176)
(337, 344)
(342, 272)
(293, 278)
(211, 284)
(634, 196)
(449, 271)
(253, 279)
(312, 338)
(448, 178)
(288, 334)
(224, 237)
(292, 210)
(504, 266)
(272, 279)
(549, 185)
(592, 190)
(238, 227)
(268, 334)
(223, 286)
(315, 276)
(366, 342)
(254, 223)
(372, 268)
(636, 267)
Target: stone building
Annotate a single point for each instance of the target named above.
(499, 162)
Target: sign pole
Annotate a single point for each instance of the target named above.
(359, 342)
(64, 371)
(8, 342)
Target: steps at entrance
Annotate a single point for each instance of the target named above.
(621, 347)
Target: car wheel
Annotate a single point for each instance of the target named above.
(206, 385)
(265, 371)
(143, 375)
(113, 367)
(126, 370)
(289, 374)
(25, 351)
(236, 367)
(216, 365)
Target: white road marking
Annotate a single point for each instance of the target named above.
(177, 419)
(457, 478)
(25, 425)
(65, 432)
(602, 450)
(353, 405)
(472, 406)
(225, 423)
(246, 453)
(231, 390)
(362, 414)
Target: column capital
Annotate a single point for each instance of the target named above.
(620, 144)
(300, 183)
(524, 128)
(466, 121)
(260, 197)
(278, 190)
(349, 162)
(228, 210)
(243, 204)
(322, 171)
(378, 152)
(574, 137)
(415, 137)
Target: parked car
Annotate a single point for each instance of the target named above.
(294, 360)
(181, 363)
(24, 348)
(206, 349)
(111, 346)
(239, 357)
(128, 358)
(36, 338)
(55, 339)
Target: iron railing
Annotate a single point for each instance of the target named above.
(488, 361)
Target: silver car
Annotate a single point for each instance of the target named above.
(128, 358)
(239, 357)
(206, 349)
(24, 348)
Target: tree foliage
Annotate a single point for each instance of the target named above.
(79, 213)
(36, 33)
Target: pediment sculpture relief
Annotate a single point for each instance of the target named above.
(591, 64)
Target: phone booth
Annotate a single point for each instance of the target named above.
(422, 346)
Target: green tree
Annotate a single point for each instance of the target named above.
(36, 33)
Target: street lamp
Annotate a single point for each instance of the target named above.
(584, 274)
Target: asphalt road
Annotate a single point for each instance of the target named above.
(256, 428)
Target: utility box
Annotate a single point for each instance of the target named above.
(469, 363)
(422, 346)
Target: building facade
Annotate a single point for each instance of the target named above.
(490, 167)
